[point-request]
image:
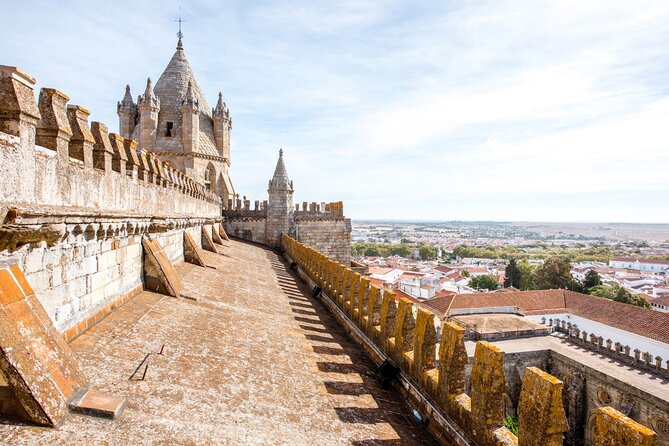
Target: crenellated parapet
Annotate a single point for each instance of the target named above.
(432, 370)
(630, 355)
(131, 179)
(320, 210)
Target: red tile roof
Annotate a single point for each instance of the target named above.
(443, 269)
(642, 321)
(399, 294)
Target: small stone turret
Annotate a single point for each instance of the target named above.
(222, 127)
(127, 114)
(149, 106)
(190, 120)
(280, 205)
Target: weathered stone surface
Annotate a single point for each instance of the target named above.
(387, 317)
(34, 359)
(222, 232)
(488, 392)
(452, 361)
(215, 236)
(373, 310)
(404, 332)
(159, 274)
(18, 112)
(95, 403)
(119, 156)
(424, 345)
(53, 129)
(82, 141)
(192, 252)
(207, 242)
(541, 417)
(612, 428)
(319, 389)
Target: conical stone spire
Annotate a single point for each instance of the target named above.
(127, 98)
(190, 100)
(220, 105)
(280, 180)
(150, 98)
(172, 86)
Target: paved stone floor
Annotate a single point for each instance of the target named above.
(254, 361)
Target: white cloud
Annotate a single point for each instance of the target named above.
(479, 109)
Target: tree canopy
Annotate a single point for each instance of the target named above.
(484, 282)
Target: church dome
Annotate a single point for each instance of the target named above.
(173, 83)
(171, 89)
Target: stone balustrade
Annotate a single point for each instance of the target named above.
(608, 347)
(407, 336)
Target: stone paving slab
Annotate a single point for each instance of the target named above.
(254, 361)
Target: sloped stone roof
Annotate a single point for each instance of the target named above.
(173, 83)
(280, 180)
(171, 89)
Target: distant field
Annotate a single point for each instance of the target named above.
(610, 231)
(616, 231)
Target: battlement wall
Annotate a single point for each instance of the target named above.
(432, 371)
(51, 156)
(321, 226)
(77, 202)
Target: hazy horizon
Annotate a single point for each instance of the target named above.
(539, 111)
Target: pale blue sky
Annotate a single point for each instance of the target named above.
(515, 110)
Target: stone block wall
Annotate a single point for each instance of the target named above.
(250, 226)
(587, 390)
(389, 328)
(327, 232)
(76, 202)
(330, 236)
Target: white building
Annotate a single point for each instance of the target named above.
(646, 265)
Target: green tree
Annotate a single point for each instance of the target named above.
(427, 252)
(618, 294)
(554, 273)
(372, 251)
(527, 275)
(592, 279)
(512, 274)
(484, 281)
(464, 273)
(401, 249)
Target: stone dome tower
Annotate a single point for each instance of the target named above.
(174, 120)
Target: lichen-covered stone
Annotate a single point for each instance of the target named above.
(452, 362)
(541, 416)
(424, 344)
(612, 428)
(404, 328)
(387, 318)
(488, 392)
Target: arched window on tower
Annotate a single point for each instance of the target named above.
(207, 179)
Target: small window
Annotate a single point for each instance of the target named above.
(168, 131)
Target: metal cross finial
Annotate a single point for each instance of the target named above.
(180, 34)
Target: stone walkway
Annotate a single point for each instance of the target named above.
(254, 361)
